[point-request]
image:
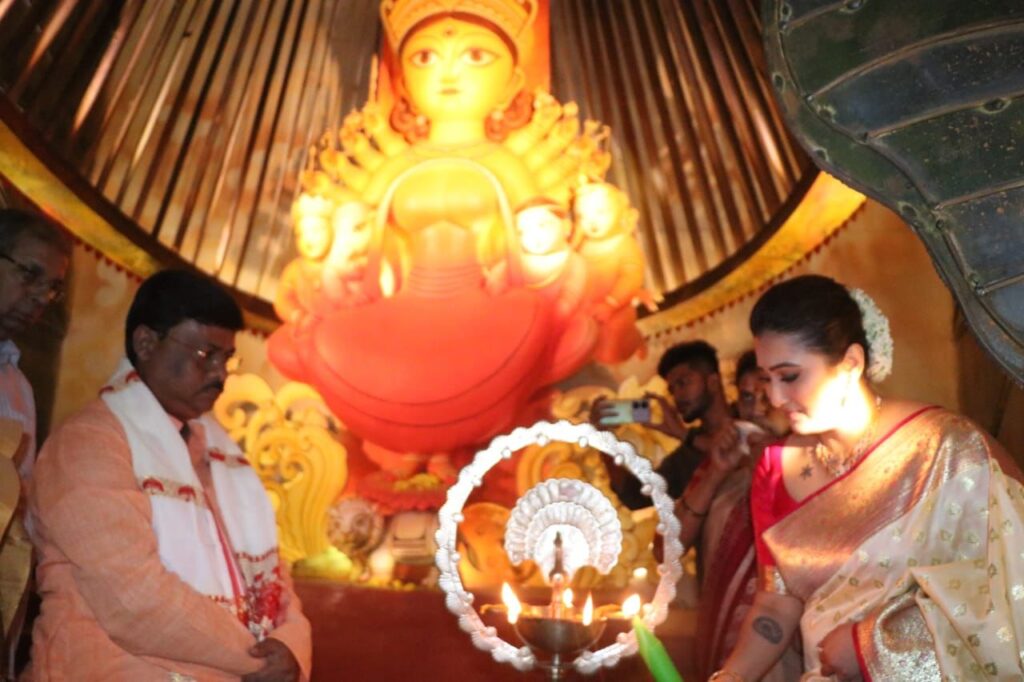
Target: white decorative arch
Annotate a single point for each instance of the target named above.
(460, 602)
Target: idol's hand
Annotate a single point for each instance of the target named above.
(838, 655)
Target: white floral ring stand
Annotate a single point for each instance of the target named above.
(541, 509)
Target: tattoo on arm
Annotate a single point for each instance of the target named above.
(768, 628)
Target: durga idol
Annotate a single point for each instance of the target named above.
(427, 326)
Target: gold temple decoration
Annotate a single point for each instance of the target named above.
(291, 440)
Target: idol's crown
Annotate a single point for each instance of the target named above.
(512, 17)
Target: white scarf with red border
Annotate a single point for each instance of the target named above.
(237, 565)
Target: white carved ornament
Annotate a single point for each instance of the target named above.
(460, 602)
(573, 509)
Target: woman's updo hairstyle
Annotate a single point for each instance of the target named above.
(817, 310)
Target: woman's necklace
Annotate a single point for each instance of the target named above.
(835, 464)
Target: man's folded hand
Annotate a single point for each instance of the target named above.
(280, 666)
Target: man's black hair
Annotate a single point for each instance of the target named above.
(698, 355)
(16, 225)
(170, 297)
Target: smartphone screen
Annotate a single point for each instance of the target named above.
(615, 412)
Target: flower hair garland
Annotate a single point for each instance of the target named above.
(876, 328)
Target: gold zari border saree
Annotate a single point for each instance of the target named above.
(921, 545)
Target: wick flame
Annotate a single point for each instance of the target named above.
(631, 606)
(511, 603)
(567, 598)
(588, 610)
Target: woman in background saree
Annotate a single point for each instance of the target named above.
(887, 530)
(729, 578)
(728, 566)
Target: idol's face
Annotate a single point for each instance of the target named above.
(457, 70)
(598, 210)
(541, 231)
(313, 237)
(803, 383)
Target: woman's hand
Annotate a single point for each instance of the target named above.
(765, 635)
(838, 655)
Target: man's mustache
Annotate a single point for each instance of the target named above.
(219, 385)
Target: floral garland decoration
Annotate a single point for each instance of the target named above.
(876, 328)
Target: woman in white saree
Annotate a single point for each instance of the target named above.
(888, 531)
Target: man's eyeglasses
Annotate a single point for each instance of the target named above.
(209, 359)
(34, 278)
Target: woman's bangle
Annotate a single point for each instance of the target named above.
(726, 675)
(687, 507)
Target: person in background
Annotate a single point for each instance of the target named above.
(691, 372)
(157, 543)
(714, 513)
(34, 259)
(752, 403)
(709, 476)
(886, 530)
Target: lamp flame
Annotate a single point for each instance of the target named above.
(567, 597)
(588, 610)
(631, 606)
(511, 603)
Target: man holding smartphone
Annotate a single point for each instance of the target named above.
(695, 383)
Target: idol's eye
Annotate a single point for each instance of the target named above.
(425, 57)
(478, 56)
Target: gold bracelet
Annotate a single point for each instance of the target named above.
(726, 675)
(687, 507)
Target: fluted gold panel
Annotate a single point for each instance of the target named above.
(697, 140)
(191, 120)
